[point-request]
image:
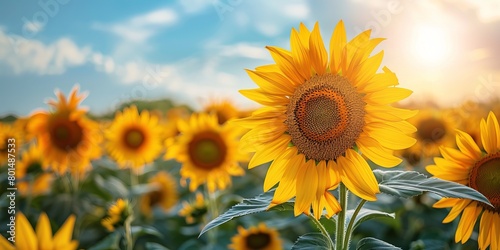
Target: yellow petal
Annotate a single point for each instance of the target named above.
(307, 184)
(358, 176)
(467, 145)
(456, 156)
(361, 55)
(300, 55)
(467, 222)
(490, 133)
(5, 244)
(304, 34)
(24, 228)
(317, 51)
(456, 210)
(65, 233)
(387, 96)
(485, 230)
(376, 153)
(269, 153)
(351, 49)
(389, 113)
(44, 233)
(389, 137)
(366, 70)
(379, 81)
(272, 82)
(446, 202)
(285, 62)
(333, 205)
(277, 169)
(337, 44)
(264, 98)
(287, 187)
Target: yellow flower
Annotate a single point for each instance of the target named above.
(435, 128)
(174, 115)
(31, 163)
(318, 111)
(28, 239)
(208, 152)
(164, 194)
(117, 213)
(133, 139)
(260, 237)
(195, 210)
(479, 170)
(68, 140)
(8, 131)
(224, 110)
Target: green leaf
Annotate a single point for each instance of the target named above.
(111, 242)
(366, 214)
(406, 184)
(311, 241)
(258, 204)
(155, 246)
(370, 243)
(138, 231)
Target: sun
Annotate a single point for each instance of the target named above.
(432, 45)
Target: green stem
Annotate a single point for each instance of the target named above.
(351, 224)
(323, 231)
(341, 217)
(214, 212)
(128, 232)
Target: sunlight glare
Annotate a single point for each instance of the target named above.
(431, 45)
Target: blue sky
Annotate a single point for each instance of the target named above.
(193, 51)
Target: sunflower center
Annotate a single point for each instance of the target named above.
(325, 116)
(207, 150)
(134, 138)
(66, 134)
(431, 130)
(155, 197)
(485, 178)
(258, 240)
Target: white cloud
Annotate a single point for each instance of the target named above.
(26, 55)
(487, 11)
(244, 50)
(296, 10)
(194, 6)
(140, 28)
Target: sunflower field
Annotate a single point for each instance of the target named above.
(331, 159)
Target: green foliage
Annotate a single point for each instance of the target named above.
(311, 241)
(375, 244)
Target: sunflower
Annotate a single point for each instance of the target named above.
(479, 170)
(164, 193)
(116, 215)
(41, 239)
(223, 109)
(68, 140)
(9, 131)
(133, 139)
(318, 111)
(259, 237)
(435, 128)
(174, 115)
(195, 210)
(208, 152)
(31, 165)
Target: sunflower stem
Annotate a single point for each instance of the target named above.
(128, 232)
(339, 244)
(323, 231)
(349, 230)
(214, 212)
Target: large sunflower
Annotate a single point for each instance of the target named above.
(133, 139)
(318, 111)
(164, 193)
(479, 170)
(208, 152)
(68, 140)
(41, 239)
(259, 237)
(32, 179)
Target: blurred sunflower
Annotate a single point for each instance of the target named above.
(468, 116)
(208, 152)
(223, 109)
(164, 193)
(9, 131)
(260, 237)
(68, 140)
(318, 111)
(435, 128)
(194, 211)
(133, 139)
(42, 239)
(479, 170)
(32, 180)
(174, 115)
(116, 215)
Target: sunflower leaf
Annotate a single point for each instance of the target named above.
(258, 204)
(311, 241)
(370, 243)
(406, 184)
(366, 214)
